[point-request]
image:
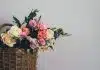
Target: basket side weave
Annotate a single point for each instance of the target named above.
(16, 59)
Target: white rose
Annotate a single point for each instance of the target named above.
(50, 34)
(15, 31)
(7, 39)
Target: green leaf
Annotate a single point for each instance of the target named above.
(53, 29)
(66, 34)
(51, 47)
(39, 19)
(26, 19)
(33, 14)
(17, 21)
(1, 46)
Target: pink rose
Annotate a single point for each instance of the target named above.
(25, 31)
(23, 34)
(33, 23)
(42, 41)
(42, 26)
(42, 34)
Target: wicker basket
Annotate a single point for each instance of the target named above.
(17, 59)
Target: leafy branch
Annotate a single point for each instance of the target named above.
(31, 15)
(17, 21)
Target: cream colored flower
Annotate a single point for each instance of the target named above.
(50, 34)
(7, 39)
(15, 31)
(43, 48)
(52, 42)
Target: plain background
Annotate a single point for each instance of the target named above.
(81, 18)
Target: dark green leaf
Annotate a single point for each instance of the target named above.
(39, 19)
(33, 14)
(17, 21)
(66, 34)
(51, 47)
(26, 19)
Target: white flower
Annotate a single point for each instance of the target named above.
(50, 34)
(51, 42)
(43, 49)
(7, 39)
(15, 31)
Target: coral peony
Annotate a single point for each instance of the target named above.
(42, 34)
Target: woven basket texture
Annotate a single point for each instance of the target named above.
(17, 59)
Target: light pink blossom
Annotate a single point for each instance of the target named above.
(33, 42)
(33, 23)
(42, 34)
(42, 26)
(23, 34)
(42, 41)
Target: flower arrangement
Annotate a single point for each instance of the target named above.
(30, 34)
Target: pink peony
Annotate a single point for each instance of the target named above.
(42, 26)
(42, 41)
(33, 23)
(25, 31)
(33, 42)
(42, 34)
(23, 34)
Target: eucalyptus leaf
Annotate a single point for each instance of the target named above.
(17, 21)
(31, 16)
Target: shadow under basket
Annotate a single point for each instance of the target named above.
(17, 59)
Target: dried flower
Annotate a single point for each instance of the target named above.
(31, 34)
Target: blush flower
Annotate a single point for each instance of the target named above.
(42, 34)
(33, 23)
(42, 26)
(50, 34)
(41, 41)
(25, 31)
(33, 42)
